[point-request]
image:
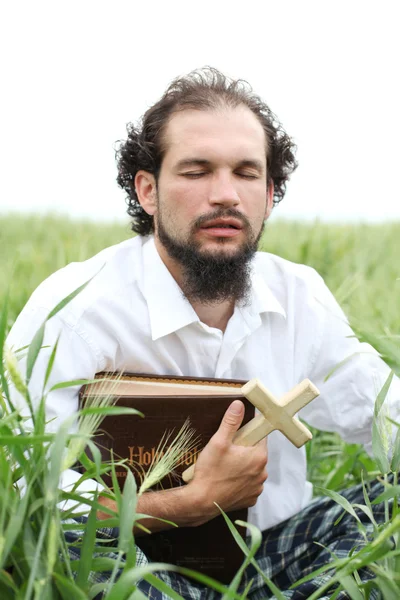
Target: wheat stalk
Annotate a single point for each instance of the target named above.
(89, 423)
(168, 457)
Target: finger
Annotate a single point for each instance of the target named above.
(231, 420)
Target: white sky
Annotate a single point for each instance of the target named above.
(74, 73)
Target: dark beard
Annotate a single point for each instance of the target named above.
(212, 278)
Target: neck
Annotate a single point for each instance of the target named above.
(215, 315)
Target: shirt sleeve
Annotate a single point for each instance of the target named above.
(76, 358)
(348, 373)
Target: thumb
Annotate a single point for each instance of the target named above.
(231, 420)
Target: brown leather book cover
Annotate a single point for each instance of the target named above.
(209, 548)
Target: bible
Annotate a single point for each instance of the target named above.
(166, 403)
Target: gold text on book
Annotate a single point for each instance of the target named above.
(143, 456)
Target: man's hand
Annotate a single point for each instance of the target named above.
(230, 475)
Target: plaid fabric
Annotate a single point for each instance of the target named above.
(288, 552)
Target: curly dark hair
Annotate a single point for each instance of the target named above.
(203, 89)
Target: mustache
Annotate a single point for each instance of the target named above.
(219, 214)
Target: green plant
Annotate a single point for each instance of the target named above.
(35, 562)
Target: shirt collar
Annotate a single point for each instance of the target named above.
(169, 310)
(162, 293)
(263, 299)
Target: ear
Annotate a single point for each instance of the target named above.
(146, 190)
(270, 199)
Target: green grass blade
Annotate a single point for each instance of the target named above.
(379, 435)
(235, 534)
(87, 549)
(339, 499)
(249, 553)
(341, 363)
(367, 511)
(66, 384)
(336, 593)
(56, 454)
(6, 593)
(371, 553)
(246, 590)
(33, 352)
(395, 462)
(98, 563)
(3, 331)
(15, 441)
(382, 394)
(37, 569)
(37, 342)
(13, 444)
(110, 410)
(388, 349)
(256, 540)
(378, 448)
(75, 382)
(7, 581)
(78, 499)
(274, 589)
(367, 498)
(68, 589)
(96, 589)
(14, 528)
(122, 588)
(392, 492)
(52, 542)
(348, 583)
(337, 475)
(123, 535)
(387, 586)
(68, 298)
(50, 365)
(161, 586)
(115, 484)
(96, 456)
(127, 512)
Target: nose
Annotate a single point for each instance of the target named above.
(223, 191)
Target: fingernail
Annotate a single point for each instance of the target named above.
(236, 407)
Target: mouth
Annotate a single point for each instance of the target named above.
(223, 224)
(222, 228)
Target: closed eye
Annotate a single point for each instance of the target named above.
(247, 175)
(194, 175)
(198, 174)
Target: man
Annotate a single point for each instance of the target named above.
(190, 296)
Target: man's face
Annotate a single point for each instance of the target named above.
(212, 188)
(210, 201)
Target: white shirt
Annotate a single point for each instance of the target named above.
(133, 317)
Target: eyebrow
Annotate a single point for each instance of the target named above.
(192, 162)
(200, 162)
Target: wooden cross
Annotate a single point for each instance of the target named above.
(275, 414)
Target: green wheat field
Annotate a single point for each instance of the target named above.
(360, 264)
